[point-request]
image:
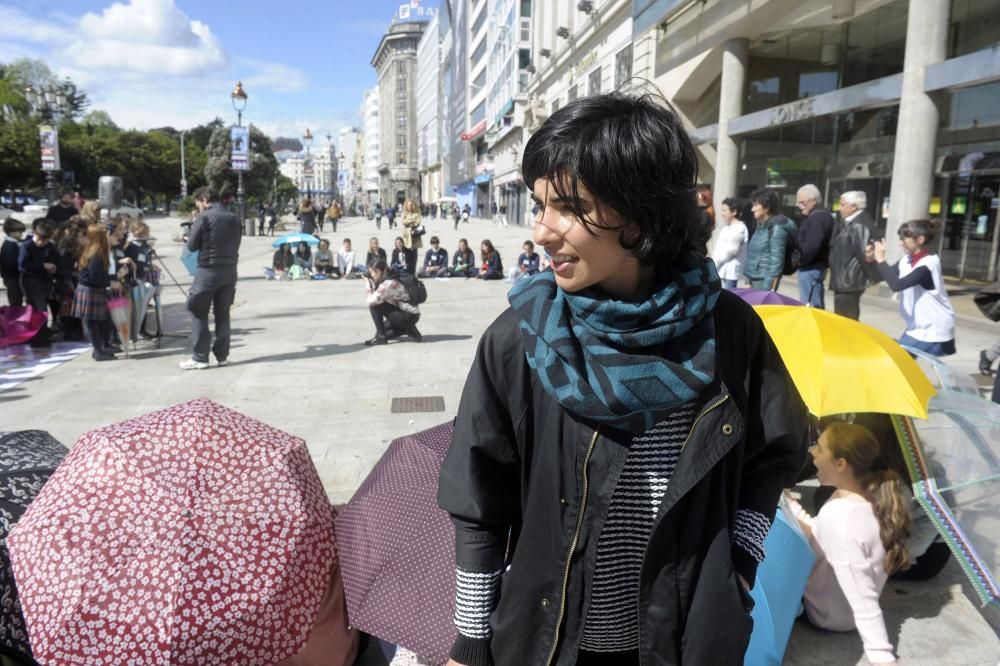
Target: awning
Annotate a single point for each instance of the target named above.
(509, 177)
(970, 163)
(482, 178)
(475, 132)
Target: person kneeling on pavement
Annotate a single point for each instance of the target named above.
(390, 306)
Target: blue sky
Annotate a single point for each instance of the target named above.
(149, 63)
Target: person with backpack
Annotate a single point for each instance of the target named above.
(814, 242)
(393, 307)
(768, 247)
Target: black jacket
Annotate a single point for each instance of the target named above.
(847, 254)
(217, 234)
(8, 259)
(815, 233)
(31, 259)
(528, 484)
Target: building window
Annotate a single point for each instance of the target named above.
(573, 94)
(523, 58)
(401, 122)
(478, 23)
(401, 157)
(594, 85)
(525, 7)
(525, 29)
(479, 82)
(623, 66)
(401, 141)
(401, 67)
(477, 55)
(401, 84)
(478, 113)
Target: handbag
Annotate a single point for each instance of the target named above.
(418, 231)
(988, 301)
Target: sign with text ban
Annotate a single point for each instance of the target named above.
(49, 139)
(240, 137)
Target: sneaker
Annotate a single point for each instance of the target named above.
(985, 364)
(105, 357)
(377, 340)
(192, 364)
(414, 334)
(223, 363)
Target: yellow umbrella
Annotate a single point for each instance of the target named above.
(841, 366)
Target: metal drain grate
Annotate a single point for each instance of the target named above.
(431, 403)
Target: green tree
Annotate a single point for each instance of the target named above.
(13, 105)
(285, 189)
(20, 159)
(263, 165)
(35, 73)
(98, 118)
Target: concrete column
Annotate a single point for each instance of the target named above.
(727, 159)
(916, 132)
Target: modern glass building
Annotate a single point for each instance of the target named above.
(899, 99)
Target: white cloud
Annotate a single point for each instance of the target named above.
(149, 64)
(273, 76)
(150, 36)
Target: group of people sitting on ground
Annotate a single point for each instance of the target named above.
(323, 263)
(464, 264)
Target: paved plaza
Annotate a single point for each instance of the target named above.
(299, 364)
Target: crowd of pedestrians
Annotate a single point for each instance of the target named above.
(69, 264)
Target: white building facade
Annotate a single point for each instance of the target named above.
(429, 107)
(313, 172)
(371, 156)
(347, 187)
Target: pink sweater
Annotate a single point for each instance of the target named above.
(848, 577)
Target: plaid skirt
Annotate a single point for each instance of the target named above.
(90, 303)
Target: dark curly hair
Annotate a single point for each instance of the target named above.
(632, 153)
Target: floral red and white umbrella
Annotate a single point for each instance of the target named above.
(193, 535)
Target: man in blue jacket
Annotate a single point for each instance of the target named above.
(216, 236)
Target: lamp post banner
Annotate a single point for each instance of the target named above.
(49, 138)
(240, 136)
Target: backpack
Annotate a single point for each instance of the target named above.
(415, 288)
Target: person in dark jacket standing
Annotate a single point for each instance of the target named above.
(13, 230)
(767, 247)
(37, 261)
(60, 212)
(851, 237)
(216, 236)
(615, 466)
(814, 243)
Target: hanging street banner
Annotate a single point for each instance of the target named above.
(49, 138)
(240, 136)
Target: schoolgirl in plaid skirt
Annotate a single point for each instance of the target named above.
(90, 302)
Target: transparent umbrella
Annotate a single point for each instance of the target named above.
(953, 458)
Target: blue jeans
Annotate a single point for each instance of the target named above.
(811, 287)
(933, 348)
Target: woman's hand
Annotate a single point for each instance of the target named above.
(879, 251)
(870, 253)
(452, 662)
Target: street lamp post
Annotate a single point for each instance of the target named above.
(184, 182)
(239, 99)
(50, 104)
(307, 139)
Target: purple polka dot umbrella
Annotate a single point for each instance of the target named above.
(193, 535)
(397, 549)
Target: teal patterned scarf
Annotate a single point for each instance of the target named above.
(627, 365)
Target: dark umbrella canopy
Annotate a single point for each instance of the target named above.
(27, 460)
(397, 549)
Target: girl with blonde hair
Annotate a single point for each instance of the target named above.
(859, 537)
(412, 236)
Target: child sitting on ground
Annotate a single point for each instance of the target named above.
(859, 537)
(323, 261)
(527, 263)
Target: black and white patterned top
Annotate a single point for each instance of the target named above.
(612, 619)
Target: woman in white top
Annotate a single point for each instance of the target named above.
(729, 252)
(923, 300)
(859, 537)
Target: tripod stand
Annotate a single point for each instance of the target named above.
(158, 309)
